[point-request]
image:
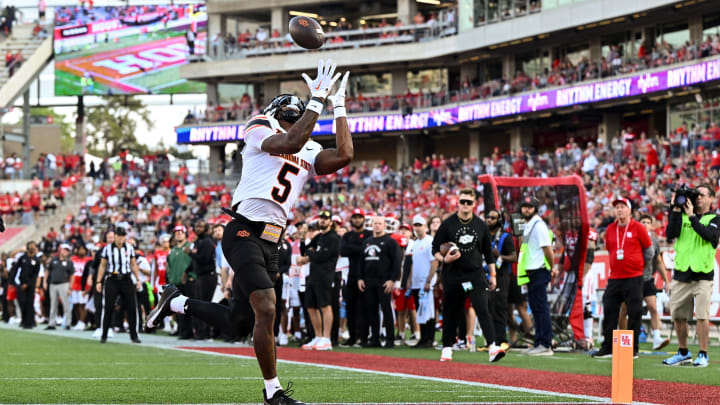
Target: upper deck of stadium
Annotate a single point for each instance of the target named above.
(486, 36)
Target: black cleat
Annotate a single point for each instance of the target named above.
(163, 307)
(281, 397)
(603, 353)
(103, 340)
(135, 340)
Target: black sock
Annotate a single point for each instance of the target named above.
(703, 352)
(682, 351)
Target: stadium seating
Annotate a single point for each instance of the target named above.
(36, 52)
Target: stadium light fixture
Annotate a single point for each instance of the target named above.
(433, 2)
(333, 24)
(303, 14)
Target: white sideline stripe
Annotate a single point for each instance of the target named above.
(595, 399)
(419, 377)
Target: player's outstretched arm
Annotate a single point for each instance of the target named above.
(331, 160)
(296, 137)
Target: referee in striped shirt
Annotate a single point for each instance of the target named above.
(117, 260)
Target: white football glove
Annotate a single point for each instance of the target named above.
(320, 87)
(338, 100)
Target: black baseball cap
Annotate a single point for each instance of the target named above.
(530, 201)
(325, 214)
(120, 231)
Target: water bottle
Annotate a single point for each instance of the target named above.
(643, 335)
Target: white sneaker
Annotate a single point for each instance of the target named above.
(496, 353)
(540, 351)
(660, 343)
(323, 344)
(282, 339)
(14, 320)
(345, 335)
(79, 326)
(97, 333)
(413, 341)
(446, 354)
(311, 344)
(111, 333)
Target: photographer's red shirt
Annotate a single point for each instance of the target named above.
(634, 241)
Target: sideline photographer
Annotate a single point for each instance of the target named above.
(697, 231)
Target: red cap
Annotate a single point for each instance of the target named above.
(358, 211)
(622, 200)
(406, 226)
(180, 228)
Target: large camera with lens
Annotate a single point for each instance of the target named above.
(685, 194)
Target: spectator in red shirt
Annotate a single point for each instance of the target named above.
(629, 246)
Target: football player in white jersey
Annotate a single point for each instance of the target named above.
(278, 158)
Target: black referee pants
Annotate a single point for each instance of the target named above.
(124, 288)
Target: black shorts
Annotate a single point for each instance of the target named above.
(254, 260)
(317, 294)
(649, 288)
(515, 295)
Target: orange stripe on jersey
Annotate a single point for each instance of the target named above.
(253, 127)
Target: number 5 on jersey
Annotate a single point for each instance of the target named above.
(281, 195)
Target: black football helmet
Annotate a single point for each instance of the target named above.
(274, 109)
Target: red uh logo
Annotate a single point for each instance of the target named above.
(304, 22)
(626, 341)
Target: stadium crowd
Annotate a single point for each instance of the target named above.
(616, 61)
(166, 215)
(340, 34)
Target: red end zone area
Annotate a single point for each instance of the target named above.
(561, 383)
(112, 68)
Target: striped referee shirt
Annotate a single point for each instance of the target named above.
(118, 258)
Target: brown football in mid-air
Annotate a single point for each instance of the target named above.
(306, 32)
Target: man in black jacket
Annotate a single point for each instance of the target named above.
(26, 271)
(351, 247)
(381, 269)
(463, 274)
(203, 263)
(322, 253)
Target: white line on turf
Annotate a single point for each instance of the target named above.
(594, 399)
(445, 380)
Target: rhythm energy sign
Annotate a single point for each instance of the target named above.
(628, 86)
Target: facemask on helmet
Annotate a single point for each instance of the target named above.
(291, 114)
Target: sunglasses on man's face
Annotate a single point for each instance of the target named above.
(466, 202)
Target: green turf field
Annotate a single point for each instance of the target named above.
(167, 81)
(42, 368)
(67, 84)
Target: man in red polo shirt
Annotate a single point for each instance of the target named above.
(629, 246)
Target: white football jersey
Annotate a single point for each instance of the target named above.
(271, 183)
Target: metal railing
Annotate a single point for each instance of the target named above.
(220, 48)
